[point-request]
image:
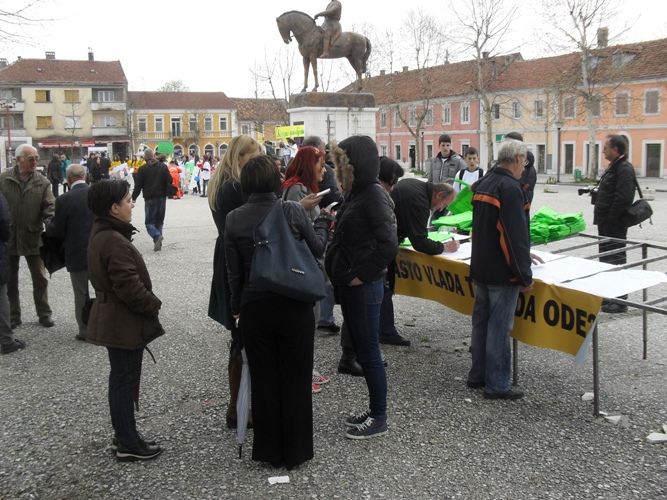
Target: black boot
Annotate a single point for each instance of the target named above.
(139, 451)
(348, 363)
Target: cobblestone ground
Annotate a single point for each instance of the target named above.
(445, 441)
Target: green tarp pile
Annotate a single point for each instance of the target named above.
(463, 201)
(433, 235)
(461, 221)
(546, 225)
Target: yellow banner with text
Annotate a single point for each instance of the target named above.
(549, 316)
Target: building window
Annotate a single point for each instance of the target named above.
(464, 147)
(413, 116)
(107, 121)
(245, 129)
(223, 123)
(569, 107)
(71, 96)
(465, 112)
(495, 112)
(159, 124)
(72, 122)
(6, 94)
(446, 114)
(209, 149)
(538, 108)
(622, 104)
(142, 124)
(208, 123)
(192, 123)
(652, 102)
(383, 148)
(397, 152)
(596, 105)
(516, 110)
(105, 96)
(176, 127)
(223, 149)
(15, 121)
(44, 122)
(397, 117)
(429, 116)
(383, 119)
(42, 96)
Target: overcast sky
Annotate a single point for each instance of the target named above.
(211, 46)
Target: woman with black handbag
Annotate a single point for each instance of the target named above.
(277, 330)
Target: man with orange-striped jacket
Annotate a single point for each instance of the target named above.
(500, 266)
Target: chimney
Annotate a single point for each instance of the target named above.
(50, 56)
(405, 69)
(485, 55)
(91, 56)
(603, 38)
(382, 72)
(3, 63)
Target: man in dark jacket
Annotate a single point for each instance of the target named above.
(73, 221)
(413, 202)
(105, 165)
(8, 343)
(616, 190)
(500, 266)
(31, 204)
(153, 178)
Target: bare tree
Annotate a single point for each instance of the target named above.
(483, 25)
(575, 23)
(174, 86)
(425, 46)
(17, 19)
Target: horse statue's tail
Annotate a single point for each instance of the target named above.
(367, 54)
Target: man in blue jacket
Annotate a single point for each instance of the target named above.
(500, 266)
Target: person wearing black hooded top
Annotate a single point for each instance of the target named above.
(364, 243)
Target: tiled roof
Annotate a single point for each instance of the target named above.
(267, 110)
(26, 71)
(457, 79)
(180, 100)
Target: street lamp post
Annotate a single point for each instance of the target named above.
(8, 104)
(421, 153)
(559, 125)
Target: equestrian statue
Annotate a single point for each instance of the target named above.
(324, 42)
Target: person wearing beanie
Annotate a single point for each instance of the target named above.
(364, 243)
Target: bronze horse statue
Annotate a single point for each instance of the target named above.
(356, 48)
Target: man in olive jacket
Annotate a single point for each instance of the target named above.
(31, 205)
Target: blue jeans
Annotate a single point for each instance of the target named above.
(155, 211)
(492, 322)
(361, 313)
(326, 307)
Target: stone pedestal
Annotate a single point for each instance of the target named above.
(334, 116)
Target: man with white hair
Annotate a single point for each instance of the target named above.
(31, 205)
(500, 266)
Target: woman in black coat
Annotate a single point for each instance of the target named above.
(277, 330)
(54, 172)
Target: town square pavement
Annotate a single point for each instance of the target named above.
(444, 440)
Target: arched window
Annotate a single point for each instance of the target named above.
(178, 150)
(209, 149)
(193, 149)
(223, 150)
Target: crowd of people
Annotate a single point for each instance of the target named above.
(344, 201)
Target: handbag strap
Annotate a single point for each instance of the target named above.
(639, 190)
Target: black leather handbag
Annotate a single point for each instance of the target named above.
(282, 263)
(638, 212)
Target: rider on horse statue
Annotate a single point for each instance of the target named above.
(331, 25)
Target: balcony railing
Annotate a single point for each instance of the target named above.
(112, 131)
(108, 106)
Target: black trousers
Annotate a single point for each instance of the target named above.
(278, 337)
(123, 381)
(613, 231)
